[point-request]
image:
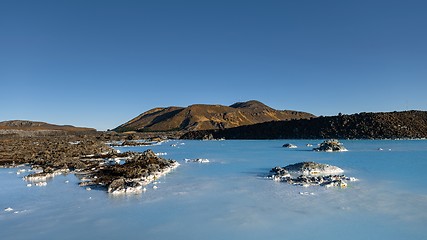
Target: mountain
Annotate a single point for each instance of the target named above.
(406, 124)
(25, 125)
(203, 117)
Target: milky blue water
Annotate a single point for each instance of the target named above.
(229, 198)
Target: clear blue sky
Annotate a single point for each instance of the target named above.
(101, 63)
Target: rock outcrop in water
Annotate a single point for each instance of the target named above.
(311, 174)
(312, 168)
(197, 160)
(332, 145)
(289, 145)
(139, 170)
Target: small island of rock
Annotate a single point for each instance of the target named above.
(139, 170)
(332, 145)
(289, 145)
(196, 160)
(311, 174)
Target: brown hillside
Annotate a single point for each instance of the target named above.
(24, 125)
(203, 117)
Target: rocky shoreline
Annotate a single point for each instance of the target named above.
(87, 156)
(382, 125)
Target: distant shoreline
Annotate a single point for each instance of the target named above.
(390, 125)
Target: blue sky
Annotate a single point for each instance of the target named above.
(101, 63)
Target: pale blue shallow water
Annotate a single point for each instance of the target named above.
(228, 198)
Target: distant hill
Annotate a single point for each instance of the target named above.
(202, 117)
(15, 126)
(406, 124)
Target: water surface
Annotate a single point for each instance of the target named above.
(229, 198)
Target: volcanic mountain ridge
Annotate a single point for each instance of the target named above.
(204, 117)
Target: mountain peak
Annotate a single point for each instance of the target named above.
(204, 117)
(250, 104)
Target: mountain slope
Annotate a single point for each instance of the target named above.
(406, 124)
(203, 117)
(25, 125)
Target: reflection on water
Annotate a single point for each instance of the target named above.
(228, 198)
